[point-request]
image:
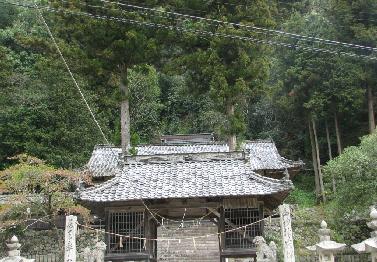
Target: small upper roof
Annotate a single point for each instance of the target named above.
(187, 138)
(263, 155)
(185, 179)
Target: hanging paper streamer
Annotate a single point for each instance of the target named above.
(121, 242)
(244, 233)
(162, 221)
(145, 243)
(193, 240)
(168, 246)
(184, 214)
(96, 235)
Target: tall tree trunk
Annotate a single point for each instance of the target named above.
(330, 154)
(372, 121)
(337, 132)
(314, 159)
(328, 140)
(124, 111)
(232, 140)
(320, 177)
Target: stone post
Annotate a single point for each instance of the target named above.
(326, 248)
(70, 239)
(88, 257)
(14, 254)
(97, 254)
(370, 245)
(99, 251)
(286, 232)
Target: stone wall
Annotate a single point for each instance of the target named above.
(45, 242)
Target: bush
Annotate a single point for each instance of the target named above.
(355, 173)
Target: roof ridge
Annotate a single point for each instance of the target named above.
(259, 141)
(151, 162)
(270, 179)
(184, 144)
(101, 186)
(105, 146)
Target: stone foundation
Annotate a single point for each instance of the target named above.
(45, 242)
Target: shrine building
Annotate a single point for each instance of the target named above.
(186, 177)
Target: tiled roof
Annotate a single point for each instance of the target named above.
(263, 155)
(104, 161)
(105, 158)
(187, 138)
(188, 179)
(181, 149)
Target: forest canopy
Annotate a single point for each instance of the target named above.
(182, 80)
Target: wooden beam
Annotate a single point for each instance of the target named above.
(221, 228)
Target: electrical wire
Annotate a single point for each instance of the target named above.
(249, 27)
(167, 17)
(206, 33)
(209, 33)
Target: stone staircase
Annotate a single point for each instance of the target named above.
(205, 249)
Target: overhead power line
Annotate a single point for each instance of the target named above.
(202, 32)
(249, 27)
(209, 33)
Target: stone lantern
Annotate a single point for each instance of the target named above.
(326, 248)
(14, 254)
(369, 245)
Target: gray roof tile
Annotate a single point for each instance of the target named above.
(263, 155)
(190, 179)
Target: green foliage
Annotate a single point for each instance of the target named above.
(303, 194)
(356, 190)
(145, 102)
(44, 190)
(355, 172)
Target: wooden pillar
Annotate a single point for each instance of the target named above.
(221, 228)
(108, 229)
(70, 239)
(261, 216)
(286, 231)
(150, 232)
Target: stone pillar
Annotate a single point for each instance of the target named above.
(88, 256)
(14, 254)
(70, 239)
(286, 232)
(326, 248)
(370, 245)
(97, 254)
(99, 251)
